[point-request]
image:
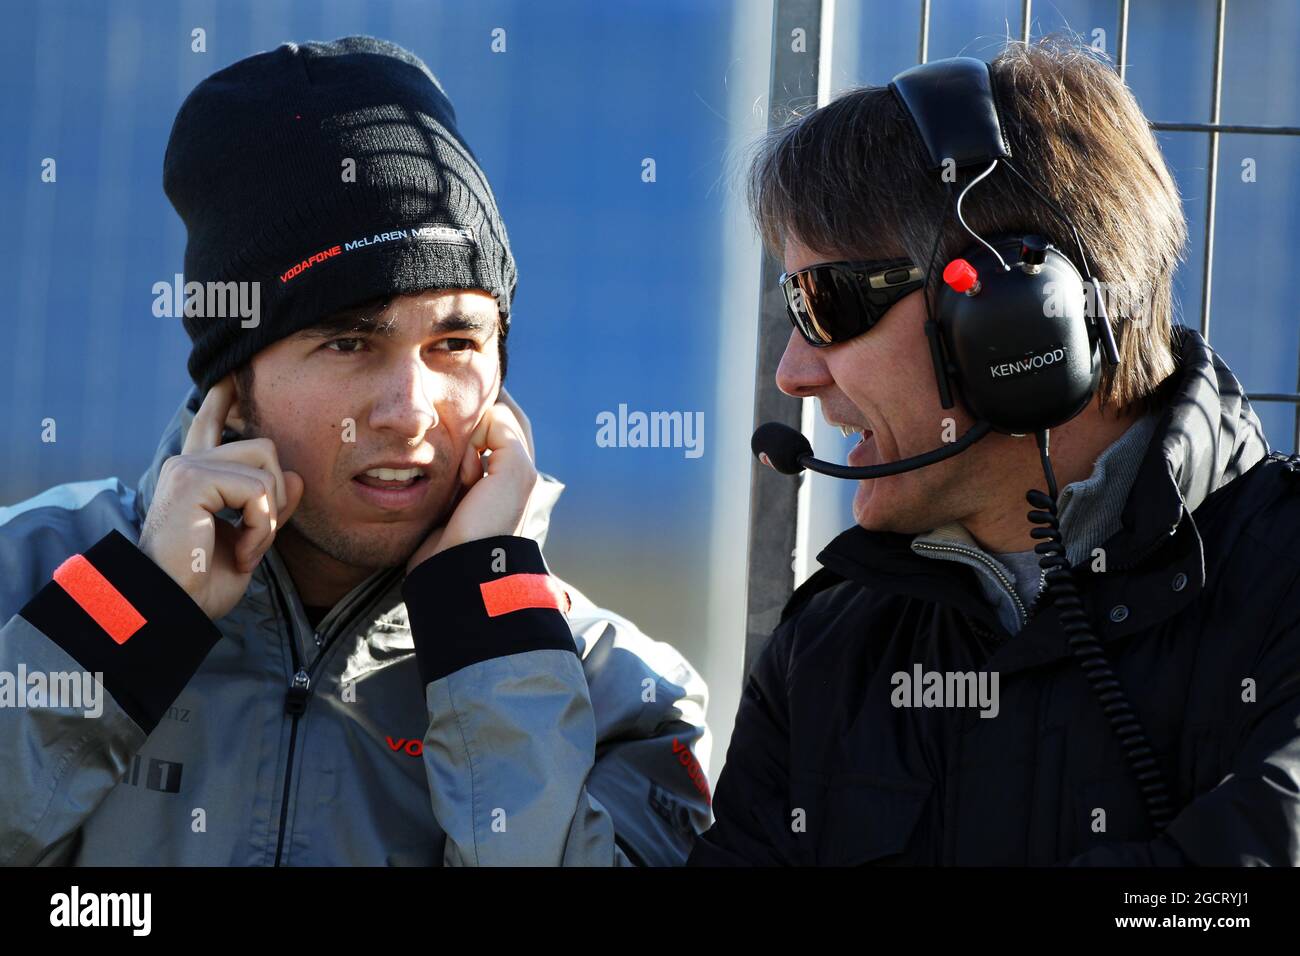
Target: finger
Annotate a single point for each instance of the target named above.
(205, 429)
(471, 467)
(251, 497)
(261, 475)
(258, 453)
(478, 437)
(294, 487)
(256, 535)
(508, 400)
(504, 431)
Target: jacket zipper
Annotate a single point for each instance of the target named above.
(295, 702)
(988, 562)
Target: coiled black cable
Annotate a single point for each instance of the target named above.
(1060, 588)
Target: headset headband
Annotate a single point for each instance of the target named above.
(952, 106)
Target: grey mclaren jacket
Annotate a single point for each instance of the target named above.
(421, 723)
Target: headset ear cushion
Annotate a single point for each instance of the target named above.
(939, 359)
(1021, 346)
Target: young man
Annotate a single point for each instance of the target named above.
(321, 630)
(1180, 525)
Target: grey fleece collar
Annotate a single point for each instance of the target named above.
(1090, 512)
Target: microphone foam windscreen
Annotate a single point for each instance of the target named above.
(783, 446)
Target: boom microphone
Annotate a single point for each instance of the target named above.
(788, 451)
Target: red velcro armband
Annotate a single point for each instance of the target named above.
(517, 591)
(96, 595)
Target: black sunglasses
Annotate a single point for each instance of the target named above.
(834, 301)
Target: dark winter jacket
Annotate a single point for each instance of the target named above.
(1198, 610)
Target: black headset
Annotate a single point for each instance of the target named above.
(1010, 329)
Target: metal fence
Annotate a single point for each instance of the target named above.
(774, 503)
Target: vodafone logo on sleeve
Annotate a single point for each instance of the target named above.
(411, 746)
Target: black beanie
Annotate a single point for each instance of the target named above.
(256, 167)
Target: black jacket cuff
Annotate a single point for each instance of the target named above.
(483, 599)
(142, 632)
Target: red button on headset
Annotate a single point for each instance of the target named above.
(961, 276)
